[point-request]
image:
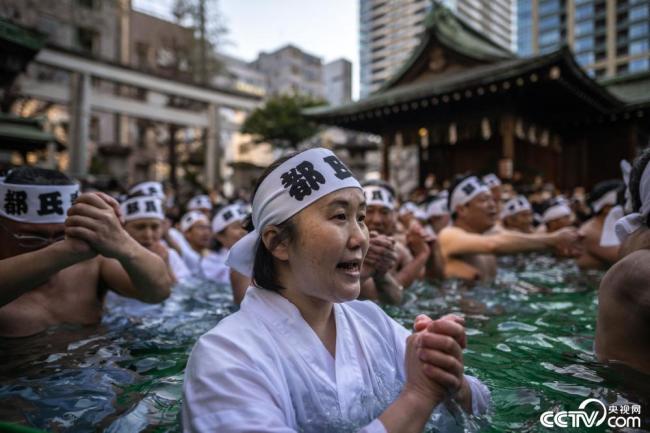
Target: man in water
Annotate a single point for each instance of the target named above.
(56, 270)
(195, 227)
(468, 245)
(602, 200)
(557, 215)
(400, 268)
(623, 327)
(517, 215)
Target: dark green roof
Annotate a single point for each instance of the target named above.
(21, 36)
(23, 134)
(632, 88)
(471, 78)
(455, 34)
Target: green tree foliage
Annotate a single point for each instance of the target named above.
(280, 123)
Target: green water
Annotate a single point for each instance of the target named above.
(530, 340)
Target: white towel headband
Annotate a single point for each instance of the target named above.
(295, 184)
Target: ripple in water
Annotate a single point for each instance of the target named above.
(530, 335)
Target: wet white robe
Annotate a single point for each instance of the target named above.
(263, 369)
(214, 267)
(178, 266)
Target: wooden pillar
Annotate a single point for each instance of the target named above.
(507, 131)
(386, 142)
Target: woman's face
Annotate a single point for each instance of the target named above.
(146, 231)
(231, 234)
(332, 239)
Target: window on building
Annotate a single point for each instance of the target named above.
(87, 40)
(549, 7)
(584, 44)
(584, 28)
(549, 22)
(141, 55)
(600, 72)
(547, 38)
(638, 30)
(622, 68)
(88, 4)
(639, 47)
(584, 11)
(639, 65)
(639, 12)
(585, 59)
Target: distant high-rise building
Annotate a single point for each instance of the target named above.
(389, 31)
(608, 37)
(290, 70)
(337, 78)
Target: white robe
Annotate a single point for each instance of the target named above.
(178, 266)
(263, 369)
(214, 267)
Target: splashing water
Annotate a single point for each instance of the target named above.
(530, 340)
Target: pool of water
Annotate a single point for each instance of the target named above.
(530, 340)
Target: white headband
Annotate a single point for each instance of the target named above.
(36, 204)
(607, 199)
(148, 188)
(632, 222)
(437, 207)
(199, 202)
(295, 184)
(142, 207)
(514, 206)
(608, 237)
(556, 211)
(491, 180)
(626, 169)
(408, 207)
(379, 196)
(191, 218)
(227, 216)
(466, 191)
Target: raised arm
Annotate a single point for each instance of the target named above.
(127, 267)
(22, 273)
(454, 241)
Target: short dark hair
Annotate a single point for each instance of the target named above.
(603, 188)
(37, 176)
(638, 166)
(264, 273)
(381, 183)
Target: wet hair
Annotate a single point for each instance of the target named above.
(457, 181)
(37, 176)
(638, 166)
(264, 273)
(603, 188)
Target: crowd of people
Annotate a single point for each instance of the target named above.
(308, 260)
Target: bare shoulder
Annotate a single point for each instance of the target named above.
(629, 277)
(450, 232)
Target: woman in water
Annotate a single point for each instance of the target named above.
(302, 354)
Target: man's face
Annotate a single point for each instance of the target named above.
(147, 231)
(199, 235)
(19, 237)
(521, 221)
(559, 223)
(380, 219)
(480, 213)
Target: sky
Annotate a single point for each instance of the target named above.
(328, 29)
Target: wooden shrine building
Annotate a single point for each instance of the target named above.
(462, 103)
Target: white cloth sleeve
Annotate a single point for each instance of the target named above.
(375, 426)
(480, 395)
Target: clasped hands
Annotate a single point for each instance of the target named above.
(95, 226)
(434, 360)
